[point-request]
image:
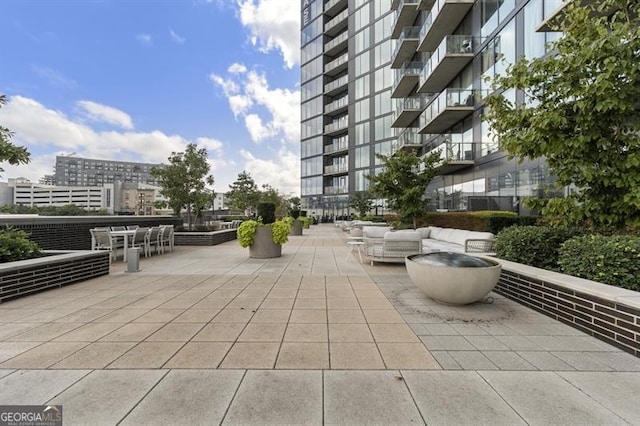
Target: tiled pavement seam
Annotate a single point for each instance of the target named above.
(456, 343)
(328, 396)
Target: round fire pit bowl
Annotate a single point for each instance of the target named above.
(453, 278)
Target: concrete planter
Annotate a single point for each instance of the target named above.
(56, 269)
(453, 278)
(263, 246)
(296, 228)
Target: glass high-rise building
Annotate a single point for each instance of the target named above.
(382, 75)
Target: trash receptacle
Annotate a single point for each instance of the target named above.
(133, 259)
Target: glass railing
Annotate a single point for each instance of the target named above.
(412, 102)
(338, 144)
(409, 136)
(336, 168)
(338, 124)
(452, 151)
(407, 34)
(410, 68)
(451, 44)
(330, 4)
(448, 98)
(335, 189)
(336, 20)
(336, 41)
(336, 83)
(340, 60)
(337, 104)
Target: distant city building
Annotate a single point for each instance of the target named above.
(70, 171)
(47, 180)
(30, 194)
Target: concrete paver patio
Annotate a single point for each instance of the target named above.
(205, 335)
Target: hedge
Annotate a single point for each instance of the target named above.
(533, 245)
(613, 260)
(484, 221)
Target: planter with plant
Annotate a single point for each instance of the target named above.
(295, 222)
(264, 236)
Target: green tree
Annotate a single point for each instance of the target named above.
(272, 195)
(580, 110)
(243, 194)
(403, 182)
(10, 153)
(362, 203)
(184, 181)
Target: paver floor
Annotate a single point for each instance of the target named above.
(207, 335)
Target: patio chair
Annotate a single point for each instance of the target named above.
(153, 238)
(102, 240)
(140, 240)
(132, 227)
(166, 237)
(118, 228)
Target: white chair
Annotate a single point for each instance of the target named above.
(153, 239)
(166, 237)
(140, 240)
(132, 227)
(102, 240)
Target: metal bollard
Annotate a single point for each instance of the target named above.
(133, 259)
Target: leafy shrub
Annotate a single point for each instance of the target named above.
(15, 245)
(307, 221)
(533, 245)
(613, 260)
(246, 232)
(267, 211)
(280, 230)
(295, 213)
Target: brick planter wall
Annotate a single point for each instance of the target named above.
(211, 238)
(609, 313)
(72, 232)
(30, 276)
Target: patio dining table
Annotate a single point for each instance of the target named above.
(125, 235)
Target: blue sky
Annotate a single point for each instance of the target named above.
(135, 80)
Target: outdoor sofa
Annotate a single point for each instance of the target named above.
(384, 245)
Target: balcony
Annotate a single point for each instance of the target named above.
(406, 79)
(333, 190)
(338, 146)
(338, 126)
(336, 86)
(409, 140)
(405, 15)
(454, 156)
(337, 24)
(449, 108)
(336, 66)
(453, 54)
(336, 169)
(333, 7)
(337, 106)
(406, 46)
(425, 4)
(444, 18)
(408, 110)
(338, 44)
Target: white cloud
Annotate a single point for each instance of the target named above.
(176, 37)
(229, 87)
(236, 68)
(283, 173)
(42, 129)
(249, 96)
(103, 113)
(274, 24)
(144, 39)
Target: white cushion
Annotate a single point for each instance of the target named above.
(458, 236)
(435, 232)
(375, 231)
(424, 232)
(477, 235)
(405, 235)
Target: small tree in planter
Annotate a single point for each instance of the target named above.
(264, 236)
(294, 212)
